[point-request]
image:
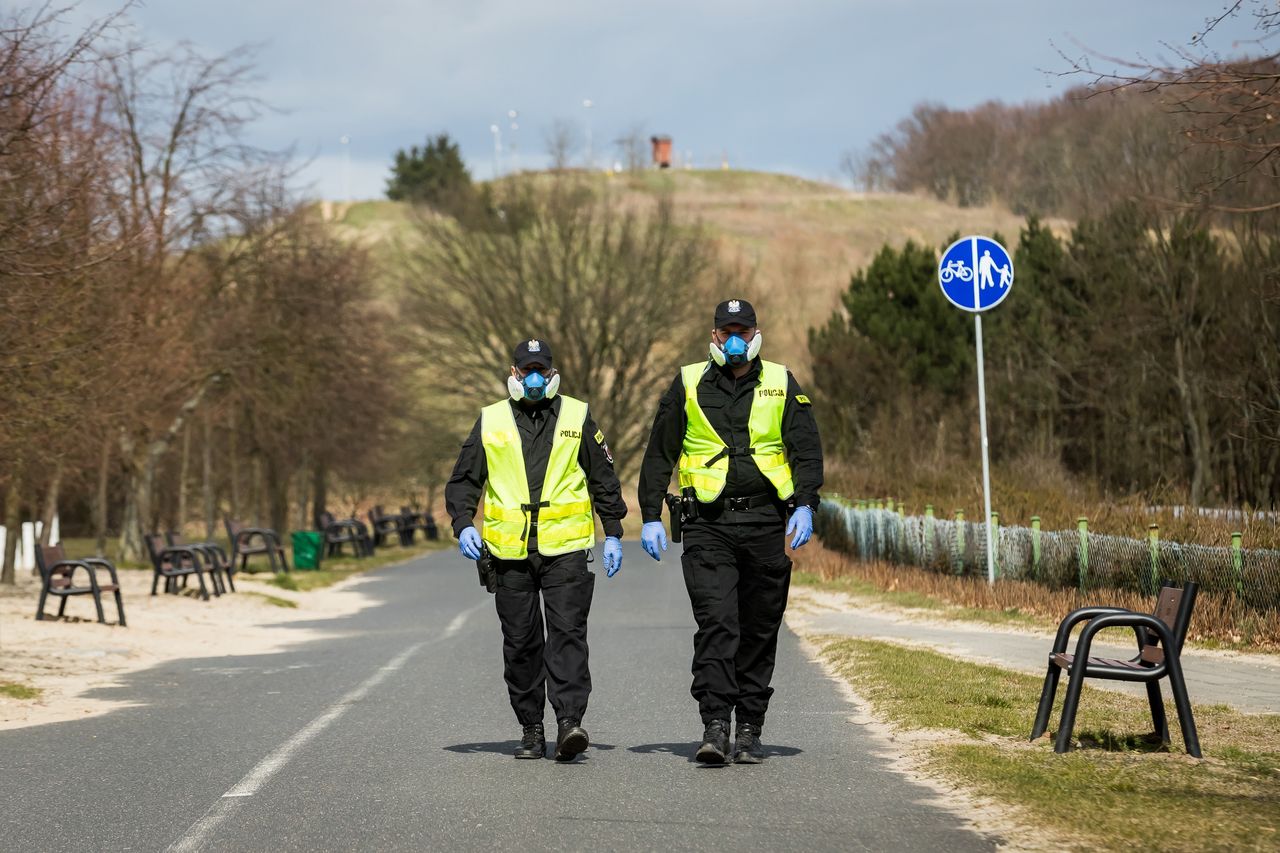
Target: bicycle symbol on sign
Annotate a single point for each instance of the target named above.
(955, 269)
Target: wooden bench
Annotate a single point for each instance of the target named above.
(214, 556)
(250, 541)
(58, 577)
(1159, 635)
(339, 532)
(384, 525)
(174, 562)
(411, 521)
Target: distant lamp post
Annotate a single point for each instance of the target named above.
(345, 142)
(587, 105)
(497, 149)
(515, 126)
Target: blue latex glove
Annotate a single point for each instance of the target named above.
(653, 538)
(469, 543)
(801, 524)
(612, 555)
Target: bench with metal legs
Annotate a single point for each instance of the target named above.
(1160, 637)
(58, 578)
(172, 562)
(214, 557)
(249, 541)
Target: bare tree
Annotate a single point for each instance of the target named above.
(53, 250)
(865, 170)
(633, 148)
(561, 141)
(1224, 103)
(186, 176)
(618, 292)
(311, 361)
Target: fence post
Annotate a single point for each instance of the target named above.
(903, 556)
(928, 535)
(994, 544)
(863, 539)
(873, 530)
(1237, 563)
(1153, 545)
(959, 559)
(1082, 524)
(1035, 547)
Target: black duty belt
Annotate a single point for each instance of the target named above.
(748, 502)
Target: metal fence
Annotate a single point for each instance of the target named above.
(1057, 558)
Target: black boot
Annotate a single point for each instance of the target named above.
(715, 743)
(746, 746)
(572, 739)
(533, 744)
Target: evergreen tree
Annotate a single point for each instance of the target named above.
(433, 175)
(896, 332)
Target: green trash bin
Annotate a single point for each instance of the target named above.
(308, 549)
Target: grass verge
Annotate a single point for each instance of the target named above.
(341, 568)
(14, 690)
(1117, 792)
(273, 600)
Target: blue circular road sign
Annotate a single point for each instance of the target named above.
(976, 273)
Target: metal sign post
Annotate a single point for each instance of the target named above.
(976, 274)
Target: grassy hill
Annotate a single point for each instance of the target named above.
(801, 238)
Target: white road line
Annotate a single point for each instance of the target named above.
(202, 830)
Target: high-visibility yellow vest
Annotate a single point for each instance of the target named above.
(564, 513)
(702, 444)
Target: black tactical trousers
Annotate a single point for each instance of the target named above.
(737, 576)
(552, 660)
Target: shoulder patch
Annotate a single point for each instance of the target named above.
(803, 400)
(599, 437)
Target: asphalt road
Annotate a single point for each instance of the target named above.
(397, 735)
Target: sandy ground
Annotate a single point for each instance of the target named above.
(65, 658)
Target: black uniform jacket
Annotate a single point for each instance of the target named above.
(536, 424)
(727, 404)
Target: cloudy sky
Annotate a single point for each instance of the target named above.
(781, 85)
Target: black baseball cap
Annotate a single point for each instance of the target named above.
(735, 311)
(532, 351)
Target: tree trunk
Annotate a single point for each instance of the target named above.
(210, 506)
(303, 483)
(1195, 422)
(100, 497)
(255, 489)
(277, 493)
(319, 489)
(51, 505)
(13, 530)
(183, 470)
(143, 463)
(233, 461)
(129, 546)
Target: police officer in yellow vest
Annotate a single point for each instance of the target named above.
(743, 437)
(542, 465)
